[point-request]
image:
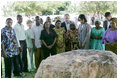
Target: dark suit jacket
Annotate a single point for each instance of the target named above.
(63, 24)
(105, 25)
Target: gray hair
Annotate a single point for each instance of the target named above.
(66, 15)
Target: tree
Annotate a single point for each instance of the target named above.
(98, 7)
(32, 8)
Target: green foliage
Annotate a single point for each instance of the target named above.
(98, 7)
(32, 8)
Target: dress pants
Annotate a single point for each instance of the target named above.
(11, 64)
(31, 59)
(38, 57)
(23, 56)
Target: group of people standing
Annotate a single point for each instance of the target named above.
(47, 39)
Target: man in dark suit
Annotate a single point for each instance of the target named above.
(67, 22)
(66, 25)
(106, 23)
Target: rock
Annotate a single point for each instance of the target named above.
(79, 64)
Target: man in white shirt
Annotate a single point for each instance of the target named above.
(67, 22)
(35, 35)
(108, 24)
(20, 33)
(67, 25)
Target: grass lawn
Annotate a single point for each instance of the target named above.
(26, 75)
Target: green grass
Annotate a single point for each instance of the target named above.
(26, 75)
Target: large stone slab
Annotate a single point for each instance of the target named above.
(79, 64)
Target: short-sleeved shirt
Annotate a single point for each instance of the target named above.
(8, 38)
(35, 34)
(48, 38)
(20, 31)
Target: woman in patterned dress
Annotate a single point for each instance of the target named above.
(60, 39)
(73, 37)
